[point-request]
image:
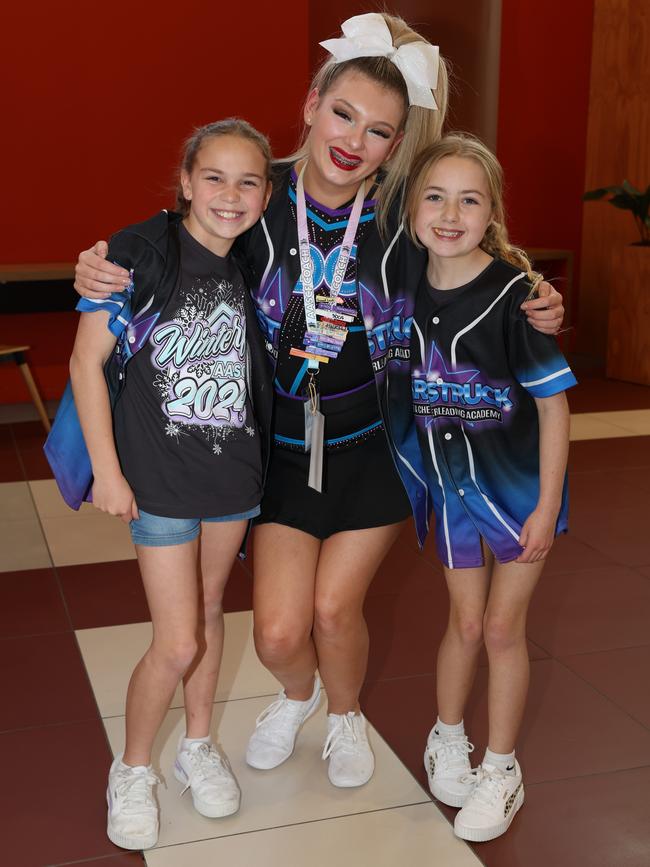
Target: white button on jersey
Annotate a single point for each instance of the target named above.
(436, 320)
(292, 251)
(440, 380)
(271, 302)
(447, 436)
(131, 339)
(461, 492)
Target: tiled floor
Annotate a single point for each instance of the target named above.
(73, 620)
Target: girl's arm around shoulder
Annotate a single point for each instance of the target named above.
(93, 344)
(96, 274)
(538, 532)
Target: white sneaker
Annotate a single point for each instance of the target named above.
(206, 773)
(132, 807)
(446, 761)
(351, 760)
(492, 805)
(276, 729)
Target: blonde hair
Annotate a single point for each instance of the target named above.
(421, 126)
(495, 241)
(233, 126)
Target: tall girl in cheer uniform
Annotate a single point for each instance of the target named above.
(336, 324)
(493, 425)
(181, 454)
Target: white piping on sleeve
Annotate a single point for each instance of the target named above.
(482, 316)
(546, 378)
(106, 301)
(385, 259)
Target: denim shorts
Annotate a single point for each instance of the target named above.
(155, 531)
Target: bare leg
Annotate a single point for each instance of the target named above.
(169, 578)
(283, 605)
(346, 566)
(461, 644)
(219, 545)
(505, 639)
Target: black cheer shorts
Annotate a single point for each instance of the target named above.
(361, 489)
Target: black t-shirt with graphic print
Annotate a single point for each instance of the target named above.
(184, 427)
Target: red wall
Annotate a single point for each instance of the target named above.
(96, 101)
(100, 96)
(542, 128)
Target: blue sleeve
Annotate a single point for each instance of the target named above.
(130, 251)
(118, 306)
(535, 358)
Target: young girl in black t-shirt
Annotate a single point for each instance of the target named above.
(180, 453)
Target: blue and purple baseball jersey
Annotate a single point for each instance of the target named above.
(476, 368)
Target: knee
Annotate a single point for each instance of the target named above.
(176, 655)
(501, 634)
(277, 640)
(331, 616)
(468, 630)
(212, 605)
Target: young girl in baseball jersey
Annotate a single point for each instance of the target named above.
(179, 454)
(493, 427)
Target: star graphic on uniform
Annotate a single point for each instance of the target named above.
(437, 370)
(437, 364)
(387, 308)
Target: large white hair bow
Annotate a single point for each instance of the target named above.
(368, 36)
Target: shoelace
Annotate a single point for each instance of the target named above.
(136, 789)
(205, 758)
(488, 784)
(343, 734)
(455, 750)
(279, 708)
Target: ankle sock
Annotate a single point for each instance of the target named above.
(187, 742)
(445, 730)
(503, 761)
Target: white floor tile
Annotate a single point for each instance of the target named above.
(110, 653)
(87, 538)
(50, 503)
(22, 546)
(589, 426)
(417, 835)
(635, 420)
(16, 502)
(297, 791)
(22, 543)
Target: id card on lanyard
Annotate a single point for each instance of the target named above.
(327, 327)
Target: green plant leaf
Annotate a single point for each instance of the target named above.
(624, 201)
(628, 188)
(595, 194)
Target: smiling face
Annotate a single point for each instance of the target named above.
(355, 126)
(455, 208)
(227, 190)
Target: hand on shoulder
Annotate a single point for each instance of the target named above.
(546, 312)
(97, 278)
